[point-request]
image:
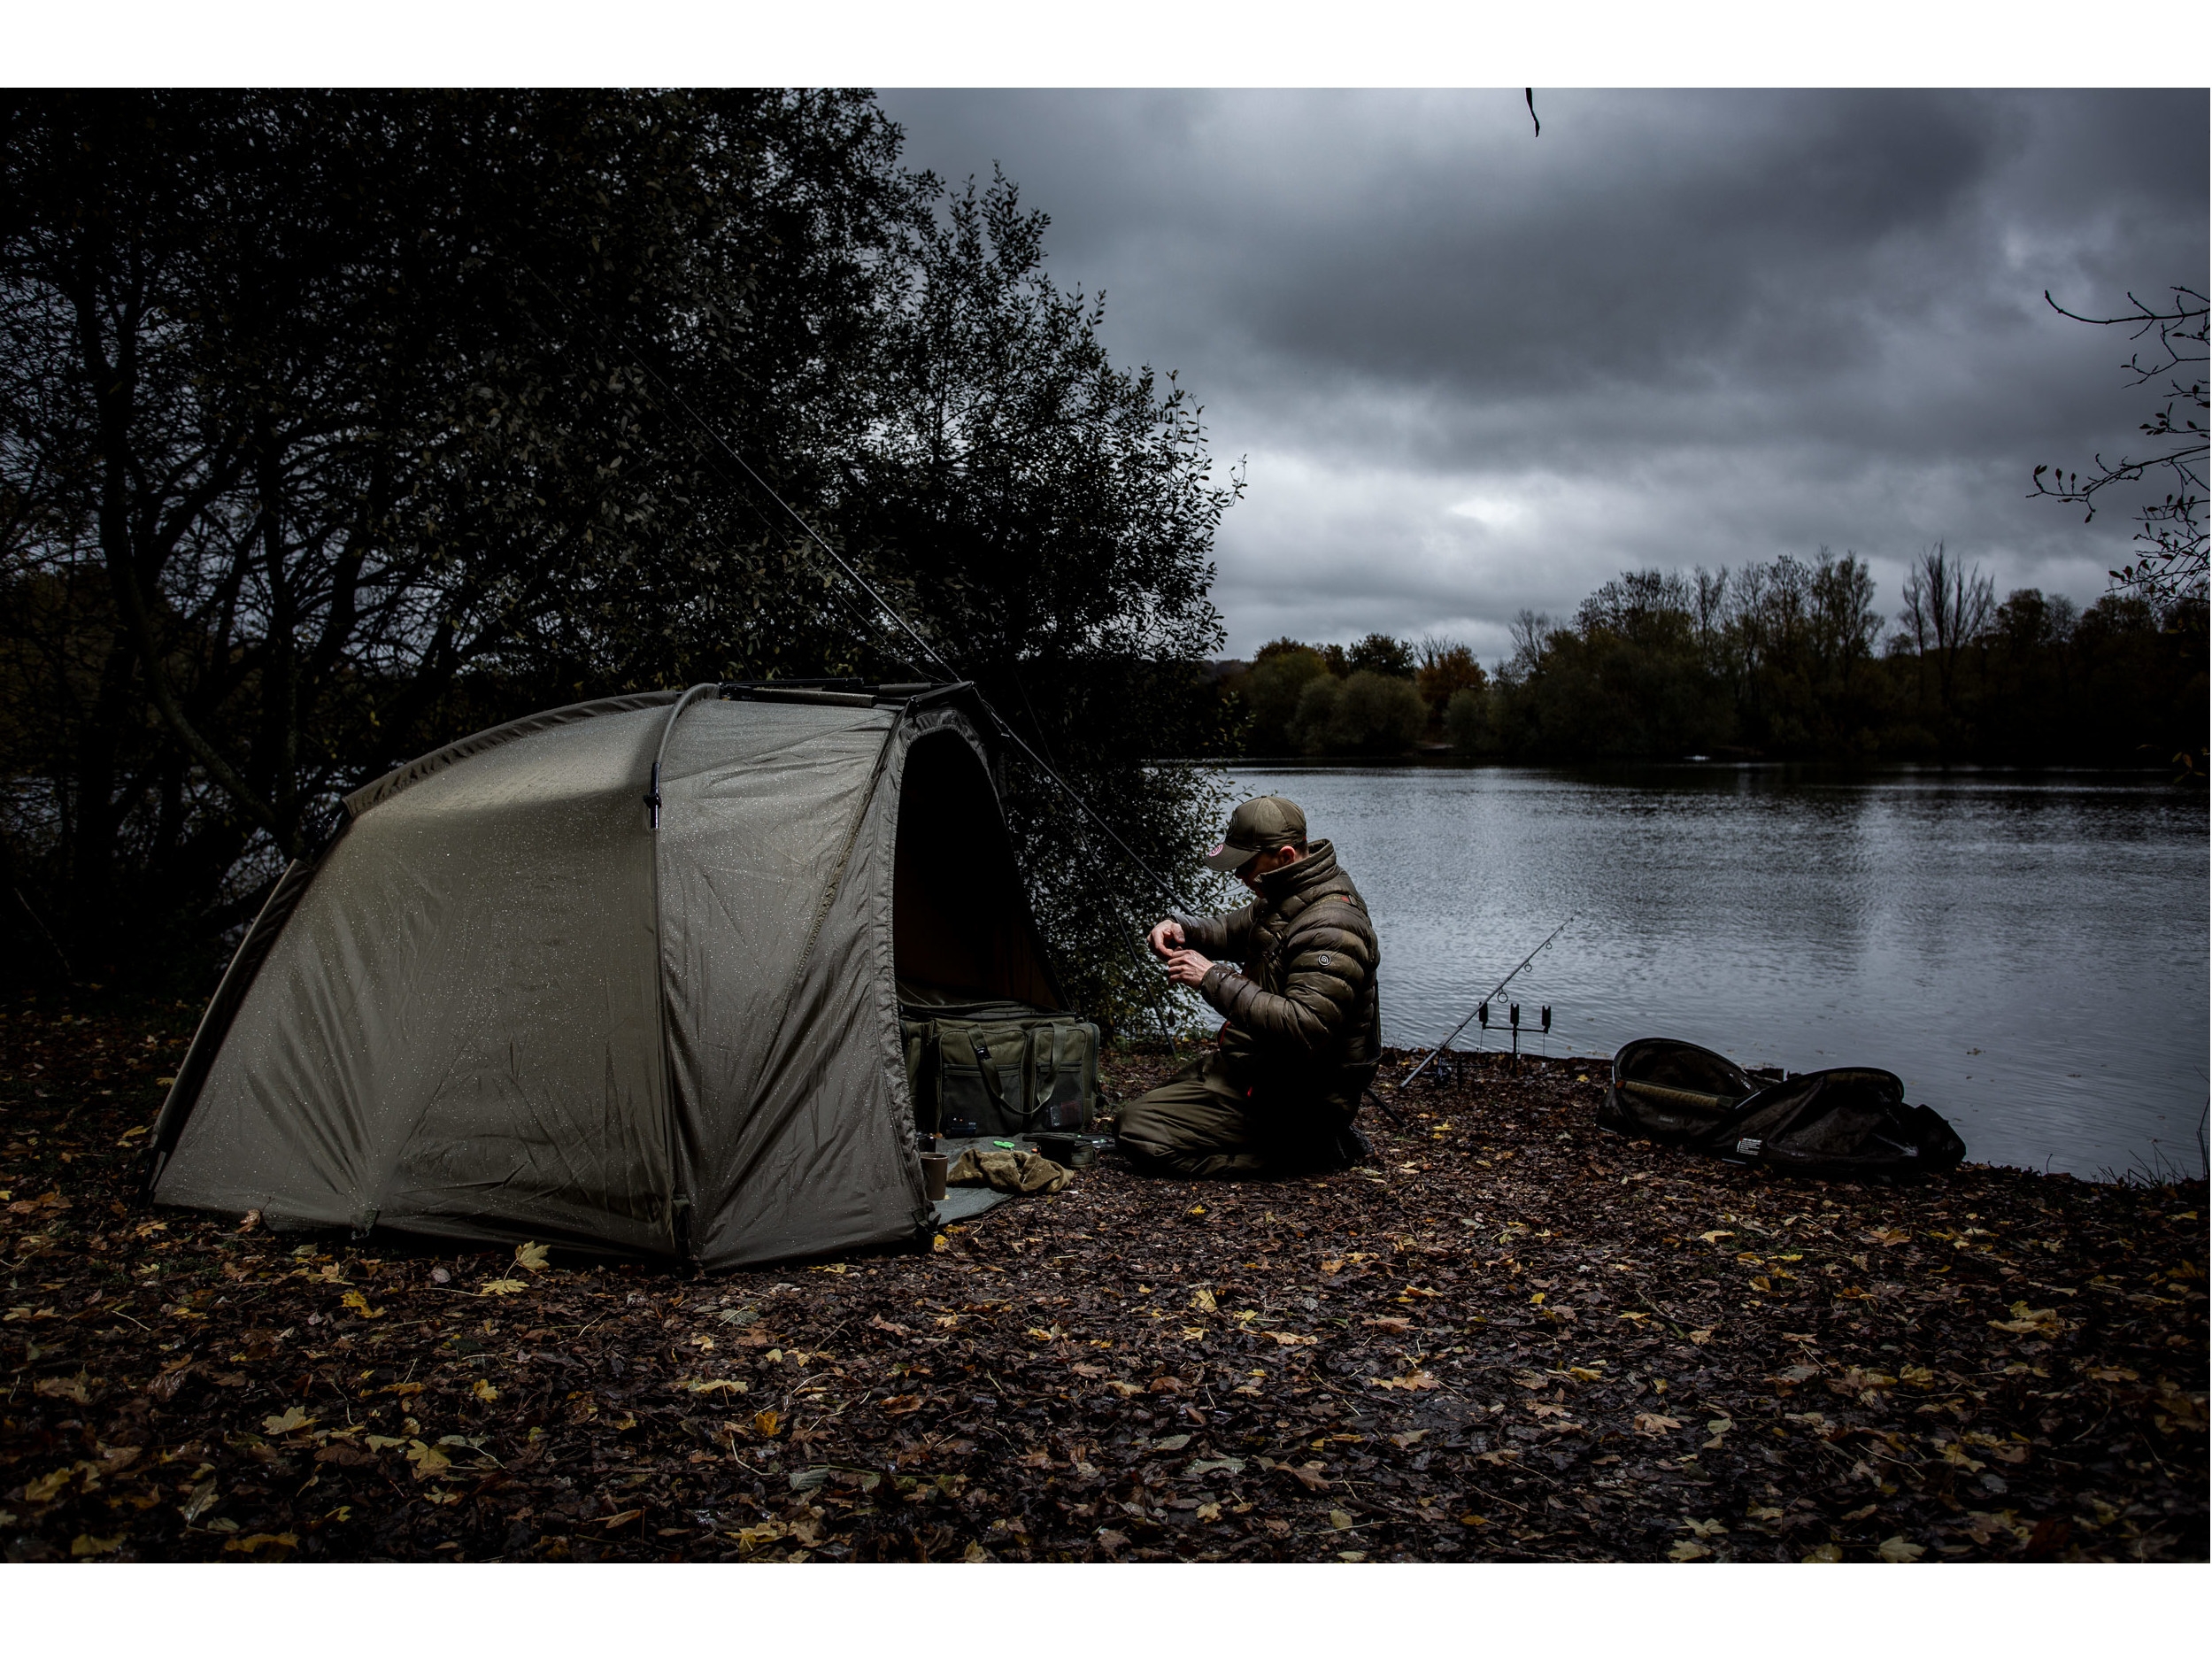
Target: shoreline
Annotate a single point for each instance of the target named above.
(1512, 1337)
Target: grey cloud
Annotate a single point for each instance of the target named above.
(1678, 328)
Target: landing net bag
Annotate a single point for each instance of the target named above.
(1849, 1122)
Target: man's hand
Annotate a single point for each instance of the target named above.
(1163, 935)
(1187, 968)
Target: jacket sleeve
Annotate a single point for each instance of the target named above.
(1327, 966)
(1226, 937)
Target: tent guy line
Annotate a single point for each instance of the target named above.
(676, 399)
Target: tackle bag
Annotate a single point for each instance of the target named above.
(1000, 1069)
(1851, 1123)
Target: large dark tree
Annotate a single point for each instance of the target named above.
(332, 425)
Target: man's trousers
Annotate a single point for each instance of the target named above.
(1200, 1125)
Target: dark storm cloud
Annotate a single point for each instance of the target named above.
(1475, 370)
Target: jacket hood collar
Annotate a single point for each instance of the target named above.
(1318, 865)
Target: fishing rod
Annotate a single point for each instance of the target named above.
(1484, 1003)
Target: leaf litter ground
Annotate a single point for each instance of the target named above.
(1512, 1337)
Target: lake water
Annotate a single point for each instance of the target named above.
(2028, 953)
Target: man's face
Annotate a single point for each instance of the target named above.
(1263, 864)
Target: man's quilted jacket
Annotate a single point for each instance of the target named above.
(1304, 1025)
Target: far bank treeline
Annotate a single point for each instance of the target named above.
(1791, 659)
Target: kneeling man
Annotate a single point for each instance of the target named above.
(1302, 1027)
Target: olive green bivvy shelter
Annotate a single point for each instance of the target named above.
(624, 976)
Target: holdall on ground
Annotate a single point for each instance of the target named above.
(1000, 1069)
(1849, 1121)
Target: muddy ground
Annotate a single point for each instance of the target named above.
(1512, 1337)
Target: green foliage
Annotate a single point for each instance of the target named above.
(1380, 653)
(1367, 714)
(1270, 691)
(1467, 724)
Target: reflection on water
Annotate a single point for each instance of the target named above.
(2028, 953)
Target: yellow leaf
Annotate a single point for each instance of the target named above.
(428, 1460)
(85, 1544)
(1703, 1528)
(767, 1422)
(1340, 1519)
(360, 1304)
(43, 1489)
(484, 1390)
(1716, 1236)
(503, 1287)
(291, 1420)
(1289, 1339)
(1824, 1552)
(1901, 1548)
(940, 1243)
(721, 1385)
(1688, 1550)
(1203, 1301)
(1209, 1512)
(258, 1541)
(530, 1256)
(1653, 1423)
(1332, 1267)
(70, 1388)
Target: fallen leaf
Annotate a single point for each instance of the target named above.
(1901, 1548)
(1172, 1443)
(289, 1421)
(359, 1303)
(483, 1391)
(1341, 1519)
(767, 1421)
(1716, 1236)
(1209, 1512)
(84, 1544)
(70, 1388)
(1203, 1301)
(974, 1552)
(897, 1406)
(531, 1257)
(1702, 1529)
(1289, 1339)
(721, 1385)
(1701, 1336)
(622, 1519)
(503, 1287)
(1688, 1549)
(1653, 1423)
(1412, 1381)
(253, 1541)
(1823, 1552)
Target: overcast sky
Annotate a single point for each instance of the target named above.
(1473, 370)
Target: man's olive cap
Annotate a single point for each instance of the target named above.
(1260, 825)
